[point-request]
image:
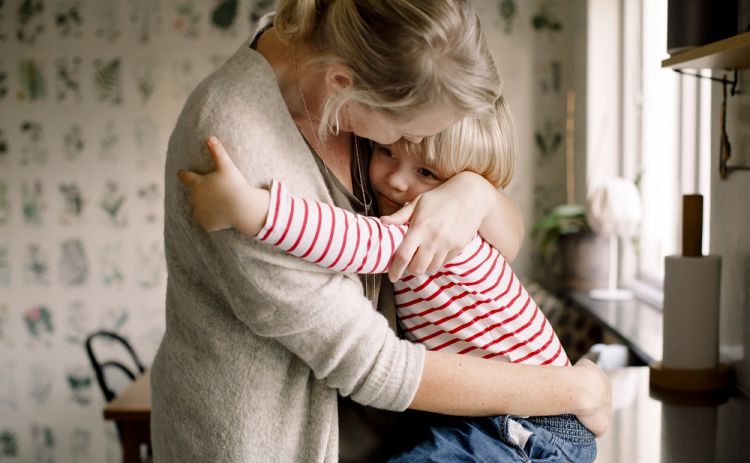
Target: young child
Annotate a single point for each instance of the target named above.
(474, 305)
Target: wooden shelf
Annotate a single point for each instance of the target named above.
(731, 53)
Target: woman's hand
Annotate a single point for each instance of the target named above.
(444, 220)
(223, 199)
(596, 395)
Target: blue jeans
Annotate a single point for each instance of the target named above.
(559, 438)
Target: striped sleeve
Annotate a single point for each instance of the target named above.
(327, 235)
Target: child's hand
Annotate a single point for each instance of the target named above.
(223, 199)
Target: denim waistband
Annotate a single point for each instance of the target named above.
(566, 427)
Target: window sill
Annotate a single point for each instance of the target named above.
(637, 322)
(647, 292)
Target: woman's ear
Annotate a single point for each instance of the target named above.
(338, 79)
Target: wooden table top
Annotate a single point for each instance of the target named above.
(134, 403)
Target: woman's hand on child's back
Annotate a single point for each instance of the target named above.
(441, 223)
(223, 199)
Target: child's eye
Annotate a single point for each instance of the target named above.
(427, 173)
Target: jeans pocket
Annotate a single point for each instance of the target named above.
(543, 450)
(532, 443)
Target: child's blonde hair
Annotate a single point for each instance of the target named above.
(405, 55)
(486, 145)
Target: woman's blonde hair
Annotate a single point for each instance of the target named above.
(404, 55)
(484, 144)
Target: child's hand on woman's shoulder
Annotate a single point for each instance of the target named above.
(223, 199)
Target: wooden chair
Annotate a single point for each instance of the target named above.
(101, 367)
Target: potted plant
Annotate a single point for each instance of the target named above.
(570, 252)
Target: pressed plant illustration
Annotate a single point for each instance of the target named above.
(508, 12)
(73, 203)
(80, 384)
(38, 320)
(187, 19)
(150, 196)
(68, 19)
(80, 445)
(546, 20)
(108, 141)
(43, 441)
(32, 202)
(29, 21)
(112, 203)
(36, 265)
(5, 210)
(68, 81)
(33, 85)
(548, 140)
(144, 72)
(4, 273)
(106, 19)
(4, 148)
(224, 14)
(74, 268)
(3, 83)
(8, 443)
(146, 19)
(108, 80)
(73, 143)
(110, 265)
(33, 150)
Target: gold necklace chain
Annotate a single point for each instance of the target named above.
(369, 289)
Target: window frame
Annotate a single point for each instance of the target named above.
(692, 144)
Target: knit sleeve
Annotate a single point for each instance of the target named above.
(327, 235)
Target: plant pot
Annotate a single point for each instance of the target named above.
(584, 260)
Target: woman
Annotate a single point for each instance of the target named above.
(258, 344)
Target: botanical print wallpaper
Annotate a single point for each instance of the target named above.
(89, 92)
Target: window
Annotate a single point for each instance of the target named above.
(665, 140)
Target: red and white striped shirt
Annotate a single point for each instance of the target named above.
(473, 305)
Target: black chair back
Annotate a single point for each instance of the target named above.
(101, 367)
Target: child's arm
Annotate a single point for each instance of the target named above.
(317, 232)
(223, 199)
(329, 236)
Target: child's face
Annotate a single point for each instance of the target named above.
(397, 178)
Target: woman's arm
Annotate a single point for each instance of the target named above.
(225, 200)
(443, 220)
(497, 388)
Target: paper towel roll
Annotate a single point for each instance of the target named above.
(691, 312)
(688, 433)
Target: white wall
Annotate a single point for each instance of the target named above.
(730, 230)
